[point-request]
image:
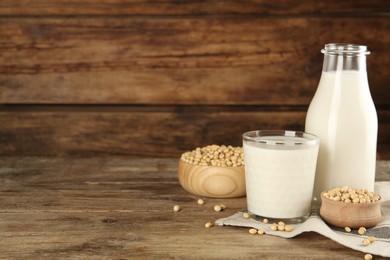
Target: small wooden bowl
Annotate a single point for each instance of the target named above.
(210, 181)
(353, 215)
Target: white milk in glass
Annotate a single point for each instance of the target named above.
(343, 116)
(279, 178)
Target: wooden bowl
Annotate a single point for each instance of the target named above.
(210, 181)
(353, 215)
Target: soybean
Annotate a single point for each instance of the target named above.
(281, 227)
(288, 228)
(217, 208)
(366, 242)
(208, 225)
(260, 232)
(200, 201)
(362, 230)
(367, 257)
(274, 227)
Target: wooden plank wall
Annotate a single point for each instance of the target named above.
(157, 78)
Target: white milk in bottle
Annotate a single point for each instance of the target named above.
(342, 114)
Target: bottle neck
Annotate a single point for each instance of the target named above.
(339, 63)
(340, 57)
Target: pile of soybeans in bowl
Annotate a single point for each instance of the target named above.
(213, 171)
(347, 207)
(215, 155)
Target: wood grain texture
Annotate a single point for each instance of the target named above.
(144, 132)
(169, 7)
(121, 208)
(162, 134)
(195, 60)
(91, 56)
(214, 182)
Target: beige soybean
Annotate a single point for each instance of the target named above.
(367, 257)
(252, 231)
(347, 229)
(217, 208)
(362, 230)
(245, 215)
(288, 228)
(265, 221)
(371, 239)
(356, 200)
(260, 232)
(366, 242)
(200, 201)
(281, 227)
(208, 225)
(176, 208)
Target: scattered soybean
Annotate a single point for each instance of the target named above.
(208, 225)
(200, 201)
(176, 208)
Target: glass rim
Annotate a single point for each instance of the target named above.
(304, 137)
(345, 49)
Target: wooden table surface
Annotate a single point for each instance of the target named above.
(119, 208)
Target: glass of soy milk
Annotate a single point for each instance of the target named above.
(279, 172)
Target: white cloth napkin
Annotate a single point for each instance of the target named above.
(314, 223)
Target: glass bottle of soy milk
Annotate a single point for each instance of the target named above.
(342, 114)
